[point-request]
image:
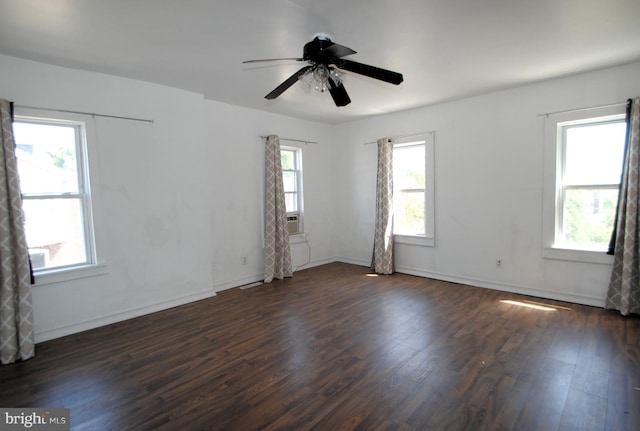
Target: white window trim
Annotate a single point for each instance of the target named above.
(428, 239)
(89, 155)
(300, 193)
(552, 157)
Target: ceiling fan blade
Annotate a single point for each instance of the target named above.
(338, 93)
(370, 71)
(272, 59)
(288, 83)
(338, 50)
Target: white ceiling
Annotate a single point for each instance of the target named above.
(446, 49)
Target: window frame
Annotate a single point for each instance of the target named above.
(297, 171)
(554, 186)
(428, 140)
(88, 193)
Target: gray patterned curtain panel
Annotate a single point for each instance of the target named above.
(382, 260)
(624, 285)
(16, 311)
(277, 254)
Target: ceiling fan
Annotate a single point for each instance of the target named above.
(323, 71)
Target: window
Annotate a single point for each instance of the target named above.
(588, 163)
(591, 163)
(54, 177)
(413, 179)
(292, 177)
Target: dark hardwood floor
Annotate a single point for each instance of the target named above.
(335, 348)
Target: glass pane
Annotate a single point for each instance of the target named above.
(408, 216)
(46, 158)
(408, 167)
(289, 179)
(408, 184)
(288, 159)
(593, 153)
(291, 201)
(54, 232)
(588, 217)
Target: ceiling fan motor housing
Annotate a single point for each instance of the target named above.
(314, 51)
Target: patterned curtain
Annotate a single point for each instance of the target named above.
(624, 285)
(16, 312)
(382, 260)
(277, 254)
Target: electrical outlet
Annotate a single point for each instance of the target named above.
(499, 263)
(244, 260)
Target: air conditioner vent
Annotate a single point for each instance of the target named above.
(293, 224)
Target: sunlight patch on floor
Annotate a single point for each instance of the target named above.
(529, 305)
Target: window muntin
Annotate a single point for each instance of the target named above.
(54, 180)
(590, 154)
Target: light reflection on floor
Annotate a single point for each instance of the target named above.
(529, 305)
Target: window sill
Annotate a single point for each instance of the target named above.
(68, 274)
(587, 256)
(420, 240)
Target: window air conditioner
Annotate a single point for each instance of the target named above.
(39, 257)
(293, 224)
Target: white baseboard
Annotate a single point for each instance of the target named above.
(230, 284)
(315, 263)
(353, 261)
(61, 331)
(506, 287)
(74, 328)
(503, 287)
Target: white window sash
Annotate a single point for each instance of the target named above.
(87, 171)
(554, 186)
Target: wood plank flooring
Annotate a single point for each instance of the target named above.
(335, 348)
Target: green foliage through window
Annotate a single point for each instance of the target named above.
(589, 216)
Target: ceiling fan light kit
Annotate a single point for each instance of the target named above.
(322, 54)
(319, 77)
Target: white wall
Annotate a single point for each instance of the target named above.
(235, 161)
(180, 199)
(489, 181)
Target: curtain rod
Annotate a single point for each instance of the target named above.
(93, 114)
(292, 140)
(413, 135)
(612, 105)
